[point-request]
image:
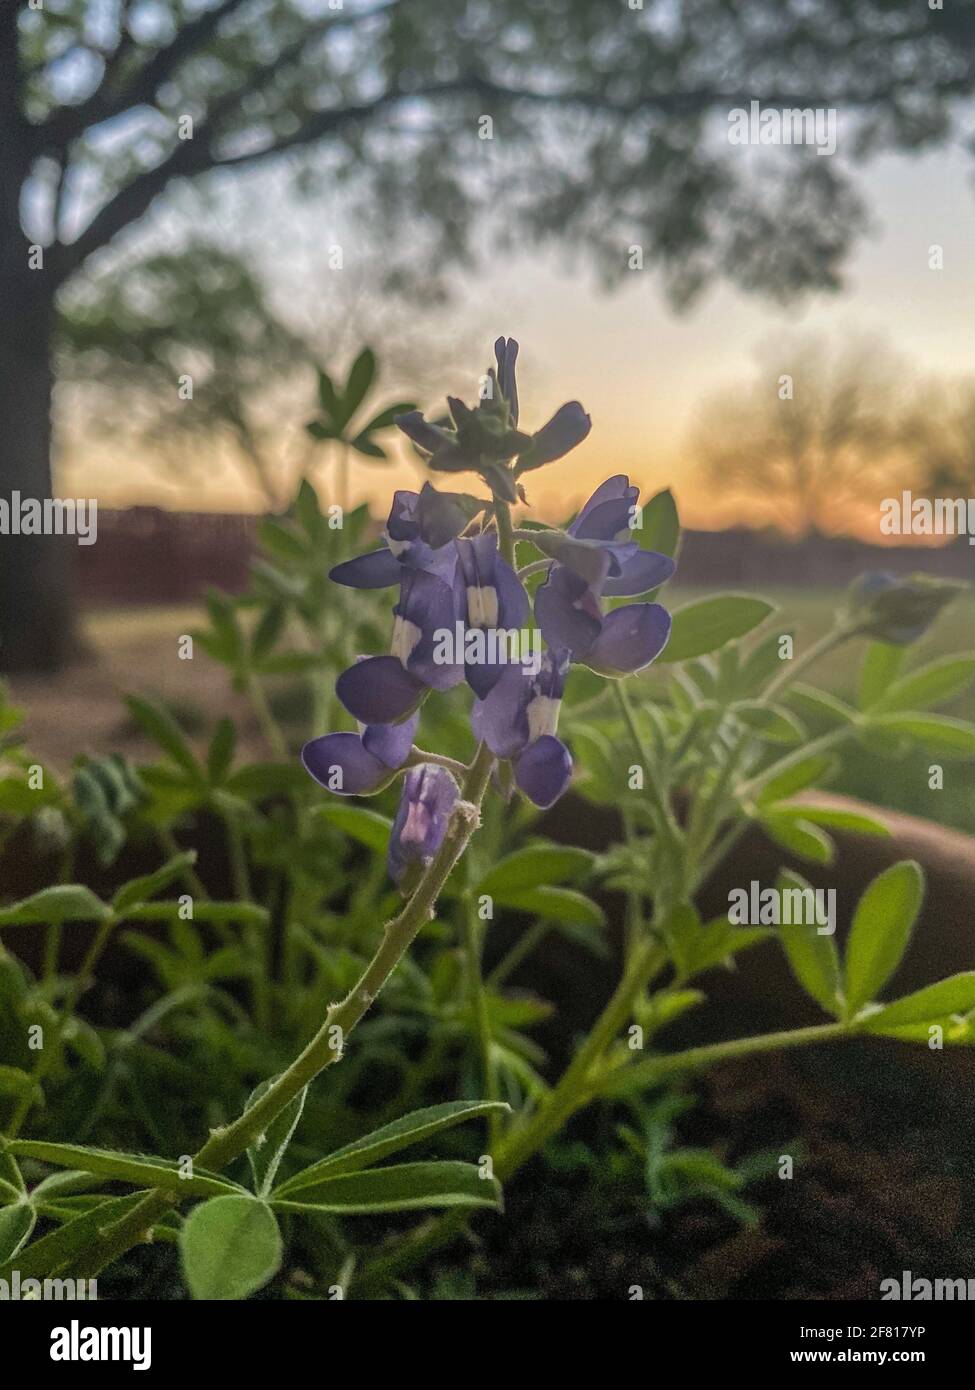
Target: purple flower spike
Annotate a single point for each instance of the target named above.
(489, 597)
(429, 795)
(359, 764)
(518, 720)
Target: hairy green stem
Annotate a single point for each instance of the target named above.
(326, 1047)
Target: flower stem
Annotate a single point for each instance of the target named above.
(326, 1047)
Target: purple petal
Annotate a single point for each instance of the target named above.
(391, 743)
(379, 690)
(567, 612)
(544, 770)
(426, 436)
(429, 794)
(428, 605)
(631, 638)
(608, 511)
(340, 763)
(644, 571)
(376, 570)
(568, 427)
(501, 720)
(442, 516)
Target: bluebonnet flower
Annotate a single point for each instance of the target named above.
(489, 595)
(387, 689)
(428, 799)
(897, 608)
(363, 763)
(418, 533)
(592, 564)
(518, 720)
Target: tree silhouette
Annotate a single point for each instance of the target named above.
(607, 125)
(818, 436)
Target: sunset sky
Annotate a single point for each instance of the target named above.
(639, 368)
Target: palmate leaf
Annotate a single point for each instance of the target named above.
(146, 1170)
(929, 685)
(400, 1134)
(49, 1255)
(368, 827)
(402, 1187)
(265, 1154)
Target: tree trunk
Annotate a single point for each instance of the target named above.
(35, 610)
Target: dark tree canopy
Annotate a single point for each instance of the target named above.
(610, 119)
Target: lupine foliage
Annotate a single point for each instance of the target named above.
(239, 950)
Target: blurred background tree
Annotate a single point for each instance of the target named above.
(610, 119)
(820, 432)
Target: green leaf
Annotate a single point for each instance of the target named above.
(834, 817)
(955, 995)
(49, 1255)
(816, 704)
(937, 733)
(146, 1170)
(327, 394)
(221, 751)
(16, 1224)
(230, 1247)
(404, 1187)
(203, 911)
(69, 902)
(537, 865)
(553, 905)
(881, 929)
(661, 525)
(361, 375)
(705, 626)
(400, 1134)
(881, 663)
(268, 630)
(139, 890)
(811, 954)
(364, 445)
(795, 779)
(368, 827)
(798, 835)
(387, 416)
(770, 722)
(930, 685)
(267, 1151)
(162, 728)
